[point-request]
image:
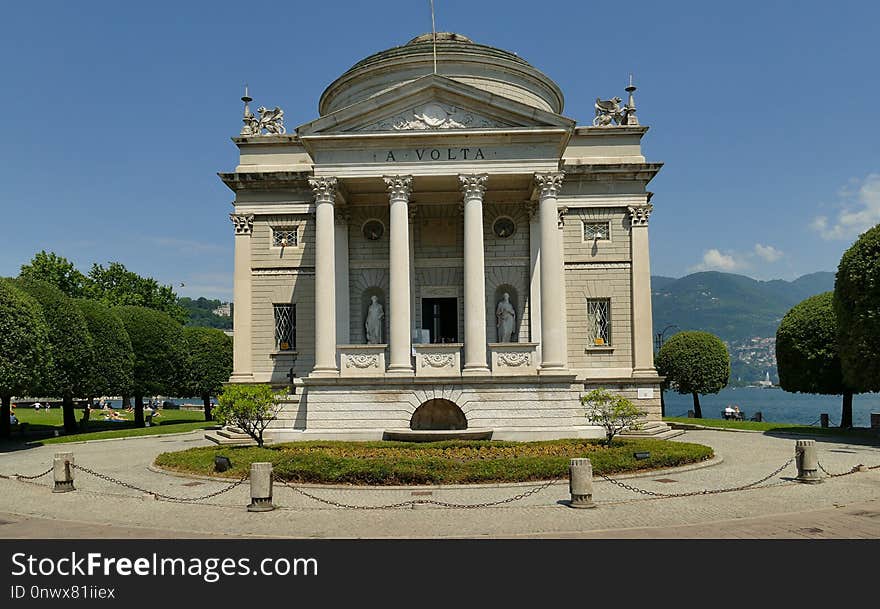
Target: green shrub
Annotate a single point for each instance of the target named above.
(249, 407)
(613, 412)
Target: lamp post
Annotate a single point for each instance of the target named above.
(659, 341)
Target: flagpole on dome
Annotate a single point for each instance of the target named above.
(434, 36)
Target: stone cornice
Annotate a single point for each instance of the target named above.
(613, 171)
(265, 180)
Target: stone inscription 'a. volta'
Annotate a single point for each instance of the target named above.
(435, 154)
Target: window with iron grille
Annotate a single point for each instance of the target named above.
(597, 231)
(285, 236)
(599, 322)
(285, 327)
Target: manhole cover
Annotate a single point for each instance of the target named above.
(193, 483)
(665, 480)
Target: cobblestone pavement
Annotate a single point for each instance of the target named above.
(841, 507)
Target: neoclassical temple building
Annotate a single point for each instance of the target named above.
(443, 249)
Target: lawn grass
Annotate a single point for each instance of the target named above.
(770, 426)
(44, 423)
(451, 462)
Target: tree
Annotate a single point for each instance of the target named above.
(249, 407)
(71, 344)
(695, 362)
(24, 346)
(159, 353)
(58, 271)
(807, 352)
(115, 286)
(613, 412)
(209, 364)
(113, 372)
(857, 308)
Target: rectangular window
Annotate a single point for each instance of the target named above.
(286, 236)
(285, 327)
(599, 322)
(597, 231)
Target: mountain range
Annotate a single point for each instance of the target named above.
(734, 307)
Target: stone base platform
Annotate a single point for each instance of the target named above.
(656, 430)
(436, 435)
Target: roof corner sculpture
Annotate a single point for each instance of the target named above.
(270, 121)
(609, 113)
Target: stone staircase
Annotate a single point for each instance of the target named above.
(230, 436)
(657, 430)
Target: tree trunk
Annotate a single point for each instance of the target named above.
(126, 402)
(846, 411)
(206, 399)
(69, 415)
(139, 411)
(698, 413)
(5, 413)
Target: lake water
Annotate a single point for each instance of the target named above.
(776, 405)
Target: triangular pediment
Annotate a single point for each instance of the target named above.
(433, 103)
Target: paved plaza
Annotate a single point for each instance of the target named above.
(841, 507)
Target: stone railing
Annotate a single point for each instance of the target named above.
(514, 358)
(441, 359)
(361, 360)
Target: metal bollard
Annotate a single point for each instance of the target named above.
(62, 472)
(807, 461)
(580, 483)
(261, 488)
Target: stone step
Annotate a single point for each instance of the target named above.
(217, 438)
(653, 429)
(232, 433)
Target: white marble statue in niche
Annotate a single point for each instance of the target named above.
(506, 319)
(373, 325)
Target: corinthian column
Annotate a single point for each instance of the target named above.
(552, 288)
(325, 277)
(642, 334)
(242, 368)
(474, 186)
(400, 360)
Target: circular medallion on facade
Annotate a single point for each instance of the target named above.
(504, 227)
(373, 230)
(434, 115)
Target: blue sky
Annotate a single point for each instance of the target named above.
(117, 116)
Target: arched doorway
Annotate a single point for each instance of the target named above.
(438, 414)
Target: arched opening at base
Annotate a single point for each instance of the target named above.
(438, 414)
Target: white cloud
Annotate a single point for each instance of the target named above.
(714, 260)
(768, 252)
(859, 211)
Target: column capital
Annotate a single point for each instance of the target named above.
(549, 184)
(473, 185)
(244, 223)
(640, 213)
(325, 189)
(399, 187)
(560, 216)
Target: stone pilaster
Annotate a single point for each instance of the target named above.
(642, 335)
(242, 360)
(325, 276)
(474, 187)
(343, 301)
(552, 289)
(534, 274)
(400, 343)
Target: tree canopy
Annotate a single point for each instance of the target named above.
(58, 271)
(209, 363)
(24, 346)
(115, 285)
(857, 308)
(696, 363)
(71, 345)
(113, 370)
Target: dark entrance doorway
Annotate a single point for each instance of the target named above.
(438, 414)
(440, 318)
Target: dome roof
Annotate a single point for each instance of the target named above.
(459, 58)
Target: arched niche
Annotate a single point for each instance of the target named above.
(438, 414)
(513, 293)
(366, 300)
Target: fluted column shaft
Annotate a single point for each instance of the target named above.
(242, 367)
(552, 289)
(400, 346)
(474, 187)
(643, 333)
(325, 277)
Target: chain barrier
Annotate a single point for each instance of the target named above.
(171, 498)
(23, 477)
(693, 493)
(852, 471)
(413, 502)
